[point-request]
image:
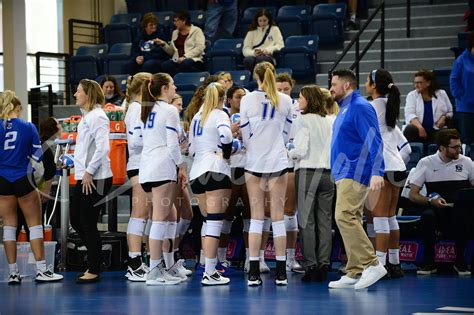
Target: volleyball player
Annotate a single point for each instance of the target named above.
(160, 159)
(210, 139)
(137, 270)
(265, 125)
(285, 84)
(386, 101)
(19, 142)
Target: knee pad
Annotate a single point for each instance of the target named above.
(136, 226)
(171, 227)
(158, 230)
(226, 227)
(370, 230)
(381, 225)
(246, 225)
(36, 232)
(256, 226)
(214, 228)
(147, 227)
(9, 233)
(203, 229)
(279, 229)
(291, 223)
(267, 222)
(183, 226)
(393, 223)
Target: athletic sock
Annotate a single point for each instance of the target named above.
(221, 253)
(202, 261)
(13, 267)
(382, 256)
(290, 253)
(394, 256)
(254, 265)
(169, 260)
(41, 265)
(262, 254)
(210, 265)
(154, 263)
(134, 254)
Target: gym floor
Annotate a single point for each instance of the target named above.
(440, 294)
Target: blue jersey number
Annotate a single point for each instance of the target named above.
(151, 121)
(265, 111)
(197, 129)
(10, 138)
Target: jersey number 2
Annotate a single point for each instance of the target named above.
(10, 140)
(265, 111)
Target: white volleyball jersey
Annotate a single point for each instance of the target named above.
(161, 154)
(134, 124)
(237, 160)
(205, 143)
(265, 131)
(393, 139)
(295, 113)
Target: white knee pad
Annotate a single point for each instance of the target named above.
(381, 225)
(256, 226)
(136, 226)
(279, 229)
(291, 223)
(9, 233)
(147, 227)
(183, 226)
(370, 230)
(171, 227)
(246, 225)
(36, 232)
(214, 228)
(393, 223)
(158, 230)
(267, 222)
(226, 227)
(203, 229)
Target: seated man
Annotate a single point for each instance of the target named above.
(444, 174)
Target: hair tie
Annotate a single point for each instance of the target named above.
(390, 85)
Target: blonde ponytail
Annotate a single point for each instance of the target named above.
(134, 87)
(214, 94)
(266, 73)
(8, 102)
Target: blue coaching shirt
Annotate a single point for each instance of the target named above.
(19, 141)
(357, 147)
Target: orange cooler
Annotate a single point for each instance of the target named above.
(118, 157)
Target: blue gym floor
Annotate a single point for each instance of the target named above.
(115, 295)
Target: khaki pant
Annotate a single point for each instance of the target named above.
(350, 201)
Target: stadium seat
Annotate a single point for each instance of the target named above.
(284, 70)
(225, 54)
(338, 9)
(240, 77)
(117, 33)
(290, 25)
(432, 148)
(462, 44)
(292, 17)
(187, 96)
(303, 11)
(132, 19)
(118, 55)
(189, 80)
(165, 19)
(416, 154)
(198, 18)
(328, 27)
(87, 63)
(92, 50)
(442, 77)
(250, 12)
(299, 54)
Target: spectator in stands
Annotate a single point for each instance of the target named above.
(262, 40)
(186, 47)
(351, 23)
(462, 84)
(112, 91)
(225, 78)
(427, 109)
(147, 53)
(220, 15)
(444, 174)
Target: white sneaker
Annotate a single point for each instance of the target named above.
(247, 265)
(14, 278)
(370, 275)
(214, 279)
(183, 269)
(48, 275)
(177, 270)
(159, 276)
(344, 283)
(226, 263)
(138, 275)
(263, 266)
(293, 265)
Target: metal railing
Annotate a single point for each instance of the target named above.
(356, 41)
(51, 68)
(408, 14)
(36, 101)
(83, 32)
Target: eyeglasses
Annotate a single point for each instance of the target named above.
(455, 147)
(419, 82)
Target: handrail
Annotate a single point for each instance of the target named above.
(356, 41)
(76, 25)
(36, 102)
(408, 14)
(41, 55)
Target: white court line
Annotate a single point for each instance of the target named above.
(442, 313)
(456, 309)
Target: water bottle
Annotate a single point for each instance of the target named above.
(433, 196)
(236, 146)
(235, 118)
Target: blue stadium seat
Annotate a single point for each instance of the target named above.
(432, 148)
(198, 18)
(165, 19)
(250, 12)
(92, 50)
(240, 77)
(338, 9)
(442, 77)
(469, 151)
(225, 54)
(187, 96)
(189, 80)
(289, 16)
(117, 33)
(303, 11)
(290, 25)
(284, 70)
(328, 27)
(86, 64)
(118, 55)
(416, 154)
(132, 19)
(299, 54)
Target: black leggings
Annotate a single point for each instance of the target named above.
(84, 215)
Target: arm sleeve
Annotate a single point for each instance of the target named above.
(410, 107)
(278, 42)
(455, 79)
(199, 45)
(36, 150)
(301, 142)
(369, 132)
(172, 139)
(99, 125)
